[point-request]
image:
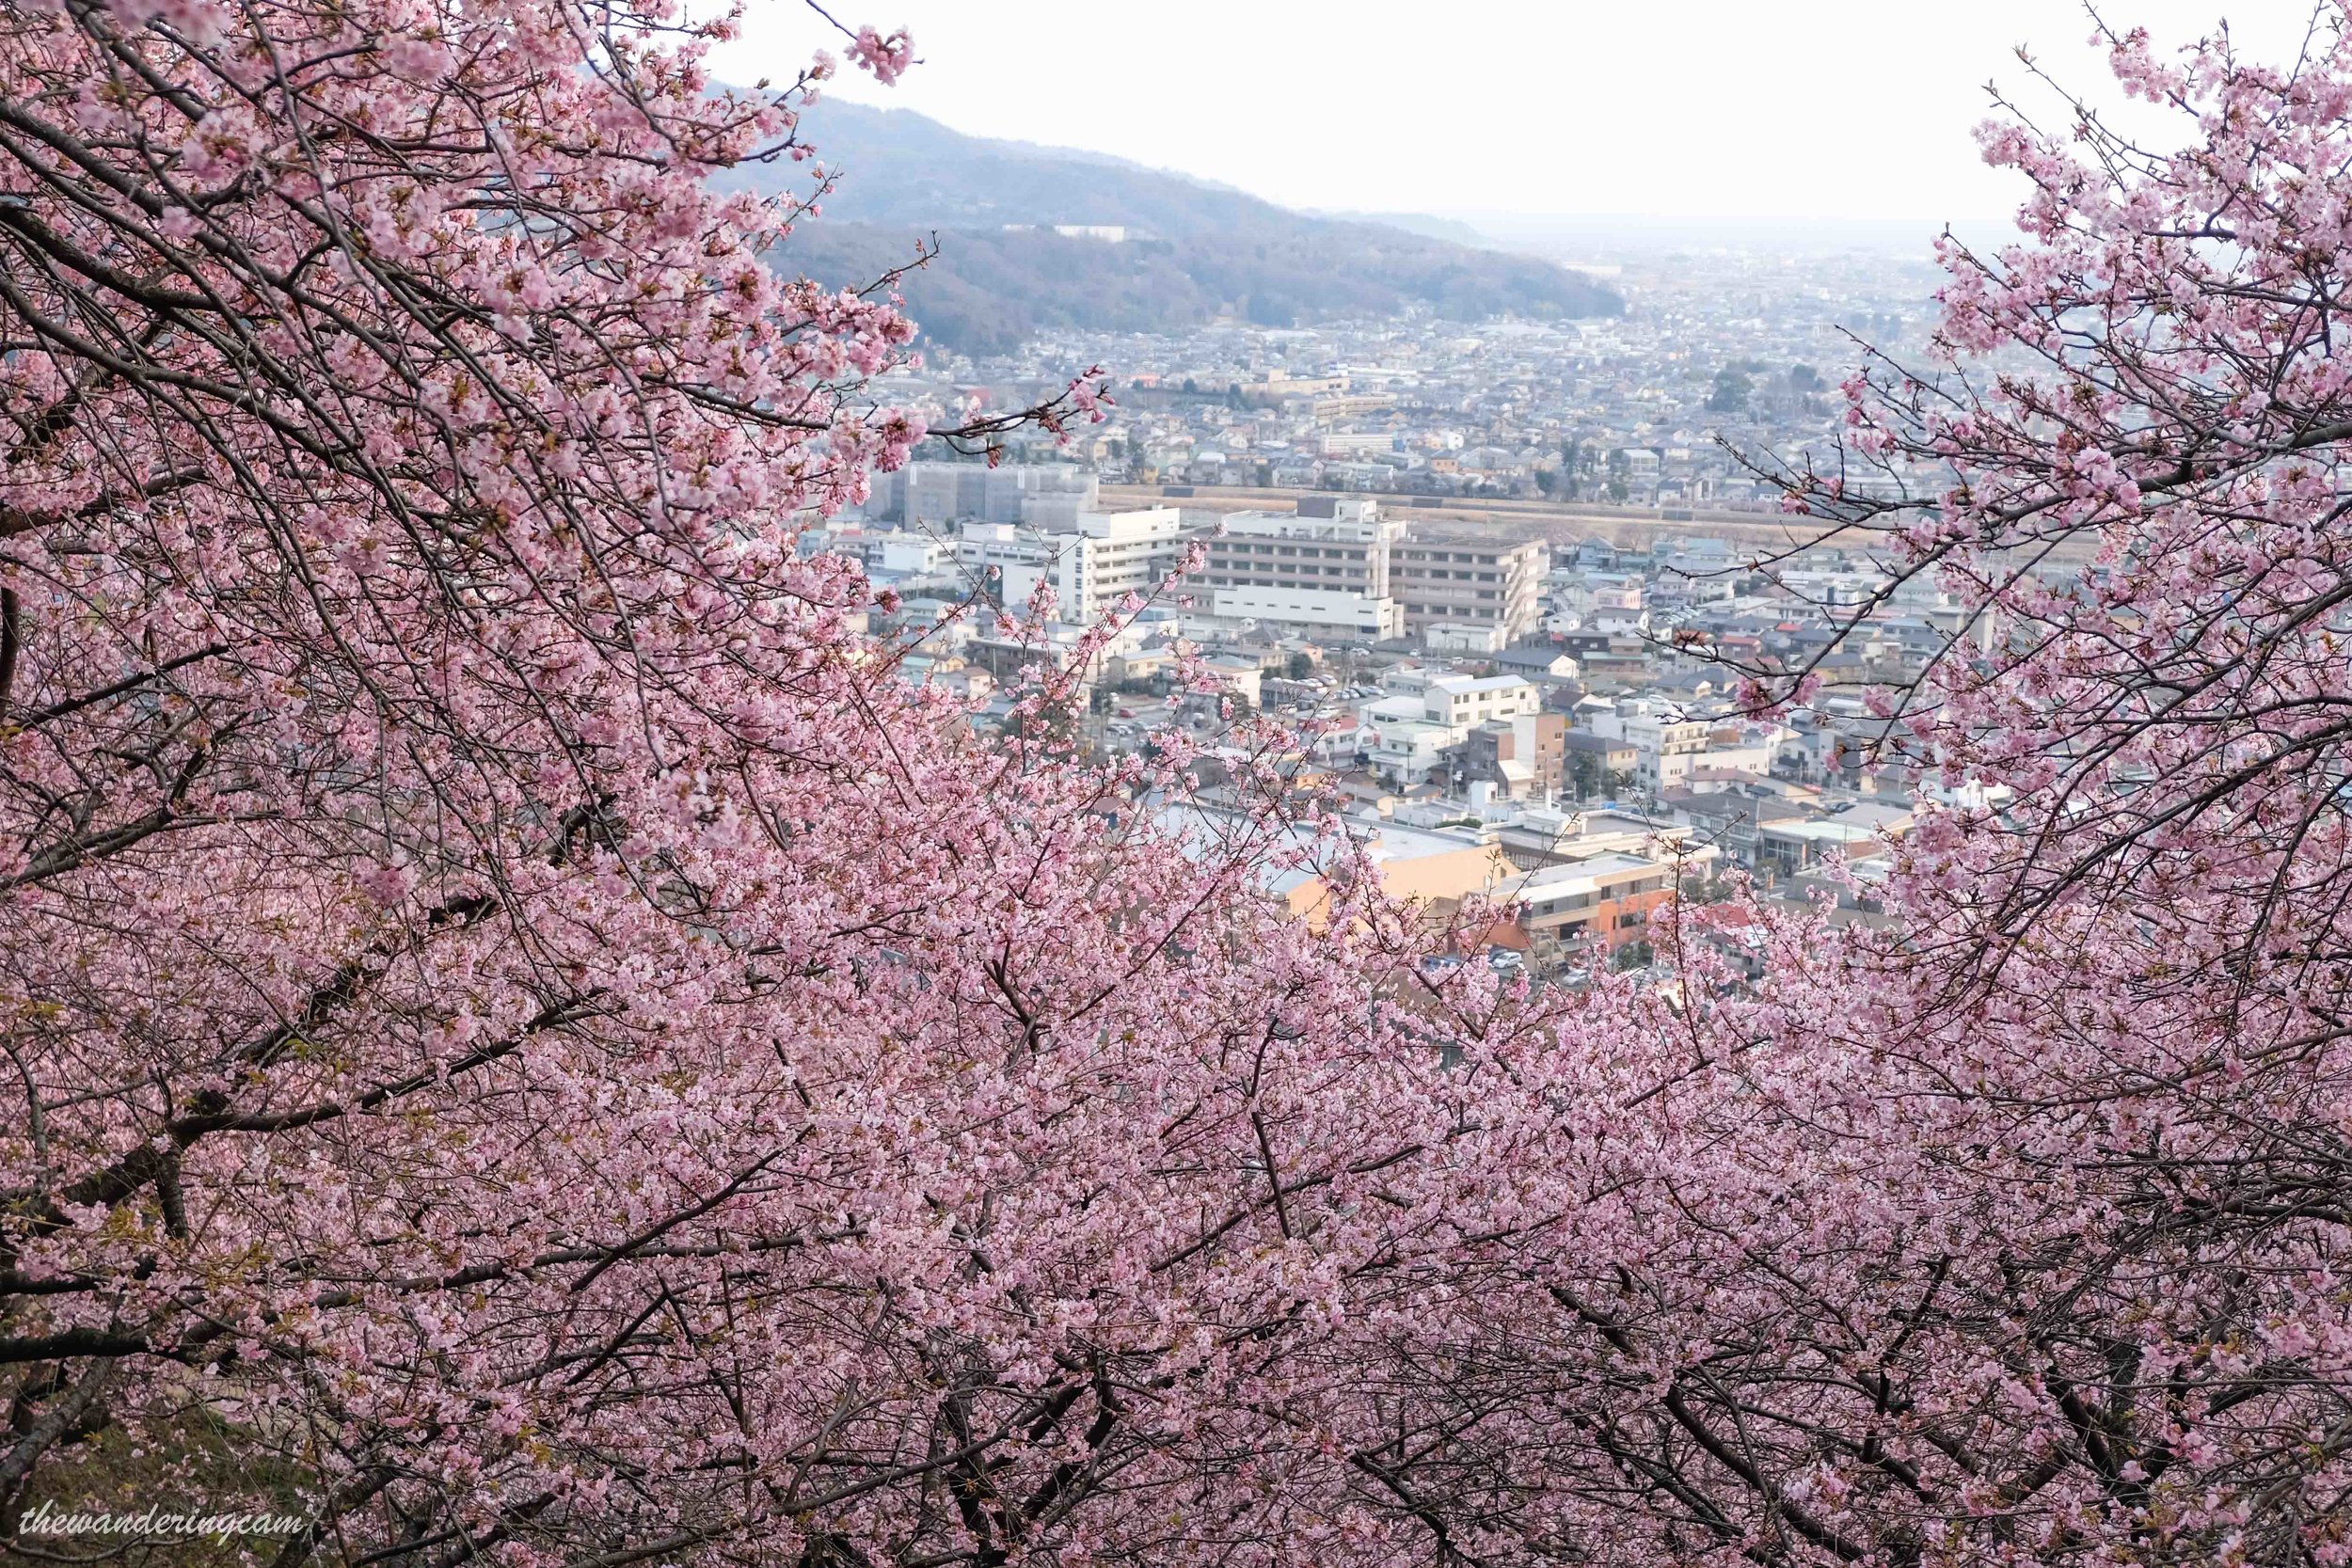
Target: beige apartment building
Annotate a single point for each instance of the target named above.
(1470, 579)
(1332, 543)
(1327, 565)
(1338, 564)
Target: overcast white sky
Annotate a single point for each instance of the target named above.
(1855, 109)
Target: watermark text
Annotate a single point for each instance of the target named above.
(155, 1522)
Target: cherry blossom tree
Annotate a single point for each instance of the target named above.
(2014, 1232)
(522, 1029)
(527, 1032)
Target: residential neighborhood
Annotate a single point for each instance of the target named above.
(1549, 723)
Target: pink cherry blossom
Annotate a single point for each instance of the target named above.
(532, 1031)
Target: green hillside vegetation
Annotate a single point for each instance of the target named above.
(988, 291)
(1196, 252)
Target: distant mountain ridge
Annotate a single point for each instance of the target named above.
(1426, 224)
(1195, 251)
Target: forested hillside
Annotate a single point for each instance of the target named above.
(1194, 251)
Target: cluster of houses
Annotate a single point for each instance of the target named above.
(1622, 411)
(1551, 725)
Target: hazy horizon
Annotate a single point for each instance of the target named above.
(1814, 111)
(1588, 236)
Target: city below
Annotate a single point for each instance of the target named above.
(741, 829)
(1502, 706)
(1501, 577)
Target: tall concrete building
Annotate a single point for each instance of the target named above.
(1093, 560)
(1475, 579)
(1336, 564)
(935, 493)
(1325, 567)
(1105, 556)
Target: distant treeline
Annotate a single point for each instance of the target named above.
(989, 290)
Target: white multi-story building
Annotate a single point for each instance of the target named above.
(1424, 717)
(1448, 637)
(1093, 562)
(1470, 578)
(905, 553)
(1107, 555)
(1407, 749)
(1464, 701)
(1670, 745)
(1325, 567)
(1664, 742)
